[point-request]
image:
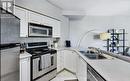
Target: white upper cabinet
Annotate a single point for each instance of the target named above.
(47, 21)
(55, 24)
(56, 28)
(29, 16)
(23, 15)
(44, 20)
(35, 18)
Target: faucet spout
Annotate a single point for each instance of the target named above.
(96, 50)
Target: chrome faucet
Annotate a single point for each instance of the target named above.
(96, 50)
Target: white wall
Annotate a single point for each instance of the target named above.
(44, 7)
(100, 23)
(64, 30)
(100, 15)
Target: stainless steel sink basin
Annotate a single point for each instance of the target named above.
(93, 56)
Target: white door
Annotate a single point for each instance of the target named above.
(47, 21)
(25, 69)
(60, 60)
(70, 60)
(81, 70)
(55, 24)
(23, 15)
(35, 18)
(56, 28)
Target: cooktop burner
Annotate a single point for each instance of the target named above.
(39, 48)
(38, 52)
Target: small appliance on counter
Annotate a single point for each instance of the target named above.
(22, 48)
(55, 42)
(67, 43)
(43, 61)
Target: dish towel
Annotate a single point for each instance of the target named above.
(45, 61)
(35, 64)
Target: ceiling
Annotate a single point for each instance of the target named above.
(95, 7)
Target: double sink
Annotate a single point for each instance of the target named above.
(95, 56)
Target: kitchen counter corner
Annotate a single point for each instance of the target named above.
(111, 69)
(24, 55)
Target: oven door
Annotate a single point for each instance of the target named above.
(38, 72)
(38, 31)
(53, 61)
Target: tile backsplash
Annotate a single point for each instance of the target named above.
(35, 39)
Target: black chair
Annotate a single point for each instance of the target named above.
(125, 52)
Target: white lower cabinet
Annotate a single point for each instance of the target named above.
(81, 71)
(70, 58)
(25, 69)
(66, 59)
(60, 60)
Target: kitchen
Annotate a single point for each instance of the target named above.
(66, 40)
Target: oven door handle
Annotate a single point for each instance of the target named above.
(39, 64)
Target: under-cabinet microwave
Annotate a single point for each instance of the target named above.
(38, 30)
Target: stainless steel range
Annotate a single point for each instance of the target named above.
(43, 61)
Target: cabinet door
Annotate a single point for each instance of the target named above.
(81, 70)
(55, 24)
(25, 69)
(60, 60)
(56, 28)
(35, 18)
(47, 21)
(70, 60)
(23, 15)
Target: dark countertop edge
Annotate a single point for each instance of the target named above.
(9, 45)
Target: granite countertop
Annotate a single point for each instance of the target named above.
(111, 69)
